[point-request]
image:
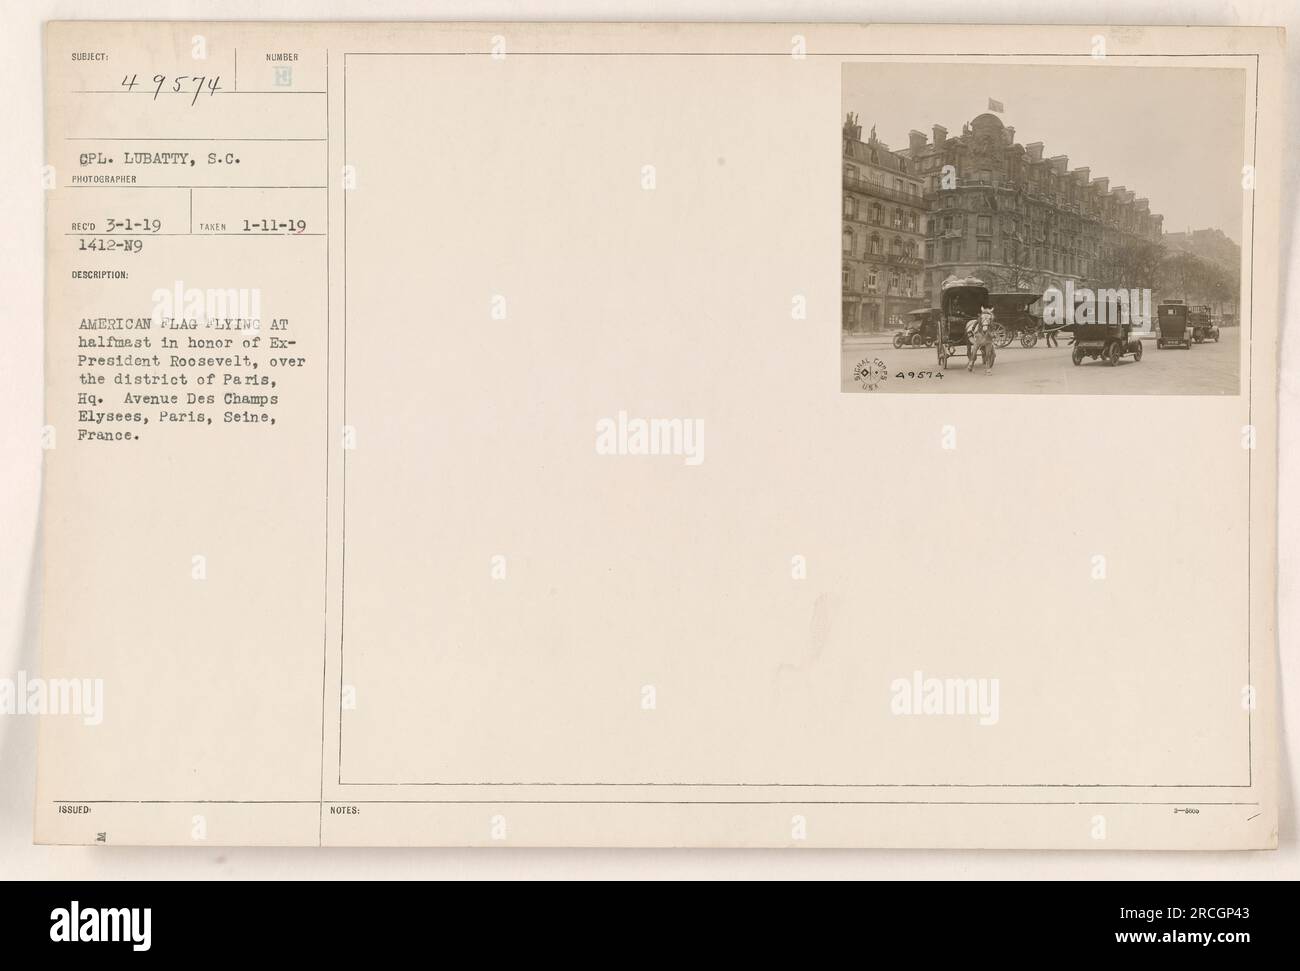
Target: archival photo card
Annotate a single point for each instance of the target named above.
(443, 448)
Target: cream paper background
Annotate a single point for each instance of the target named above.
(488, 448)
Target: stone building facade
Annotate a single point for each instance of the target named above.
(883, 240)
(1018, 220)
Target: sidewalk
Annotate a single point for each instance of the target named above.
(876, 337)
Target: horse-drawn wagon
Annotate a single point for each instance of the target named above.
(1013, 319)
(960, 302)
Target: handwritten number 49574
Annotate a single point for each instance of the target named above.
(180, 84)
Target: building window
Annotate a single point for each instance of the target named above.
(850, 209)
(851, 172)
(984, 226)
(871, 280)
(844, 276)
(898, 219)
(982, 251)
(848, 241)
(875, 245)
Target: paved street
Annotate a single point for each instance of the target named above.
(1204, 369)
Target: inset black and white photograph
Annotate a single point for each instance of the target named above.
(1041, 229)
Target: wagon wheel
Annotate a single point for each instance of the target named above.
(1001, 335)
(1028, 338)
(1137, 352)
(1112, 353)
(918, 341)
(929, 341)
(1077, 356)
(898, 340)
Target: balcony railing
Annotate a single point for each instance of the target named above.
(883, 192)
(892, 259)
(975, 181)
(886, 227)
(902, 259)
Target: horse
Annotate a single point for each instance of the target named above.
(979, 339)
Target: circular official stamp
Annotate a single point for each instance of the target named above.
(870, 372)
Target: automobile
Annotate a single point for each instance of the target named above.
(1201, 320)
(921, 331)
(1108, 341)
(1171, 317)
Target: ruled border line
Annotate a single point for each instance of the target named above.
(855, 57)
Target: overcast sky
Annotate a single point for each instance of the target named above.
(1174, 135)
